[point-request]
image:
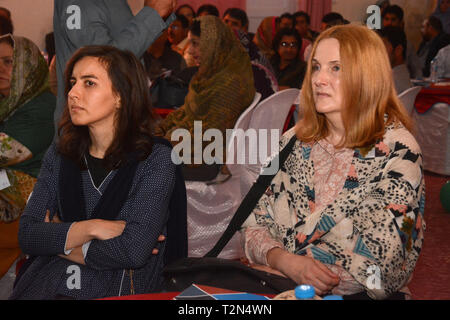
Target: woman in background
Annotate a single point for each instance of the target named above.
(222, 88)
(289, 68)
(26, 131)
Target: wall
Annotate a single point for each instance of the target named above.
(31, 18)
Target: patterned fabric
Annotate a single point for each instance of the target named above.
(29, 77)
(375, 223)
(222, 88)
(145, 212)
(14, 198)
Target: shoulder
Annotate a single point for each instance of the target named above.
(287, 136)
(160, 157)
(51, 158)
(397, 138)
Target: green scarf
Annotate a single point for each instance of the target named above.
(222, 88)
(29, 76)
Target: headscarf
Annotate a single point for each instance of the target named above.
(265, 34)
(29, 76)
(443, 16)
(222, 88)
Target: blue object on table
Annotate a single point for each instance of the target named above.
(305, 292)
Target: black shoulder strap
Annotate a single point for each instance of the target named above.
(250, 200)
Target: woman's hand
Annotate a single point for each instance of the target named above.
(303, 270)
(106, 229)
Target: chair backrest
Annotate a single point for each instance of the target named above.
(271, 114)
(408, 97)
(241, 123)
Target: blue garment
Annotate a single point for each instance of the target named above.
(106, 272)
(79, 23)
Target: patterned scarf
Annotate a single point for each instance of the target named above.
(265, 34)
(29, 76)
(222, 88)
(29, 79)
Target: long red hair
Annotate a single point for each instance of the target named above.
(367, 87)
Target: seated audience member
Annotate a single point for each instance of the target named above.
(265, 33)
(424, 46)
(220, 91)
(394, 16)
(186, 11)
(289, 69)
(236, 19)
(350, 196)
(6, 26)
(160, 58)
(26, 131)
(302, 25)
(437, 39)
(329, 20)
(443, 63)
(264, 76)
(443, 13)
(207, 9)
(163, 65)
(177, 34)
(286, 21)
(394, 39)
(102, 198)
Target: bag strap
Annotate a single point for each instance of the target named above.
(251, 199)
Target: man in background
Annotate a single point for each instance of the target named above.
(394, 39)
(79, 23)
(434, 39)
(394, 16)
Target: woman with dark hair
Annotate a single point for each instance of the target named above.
(289, 69)
(102, 197)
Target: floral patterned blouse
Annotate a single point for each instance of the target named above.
(359, 213)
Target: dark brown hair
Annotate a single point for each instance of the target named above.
(134, 120)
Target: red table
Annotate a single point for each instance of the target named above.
(431, 95)
(163, 112)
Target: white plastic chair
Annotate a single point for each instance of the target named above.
(211, 205)
(270, 114)
(433, 135)
(408, 97)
